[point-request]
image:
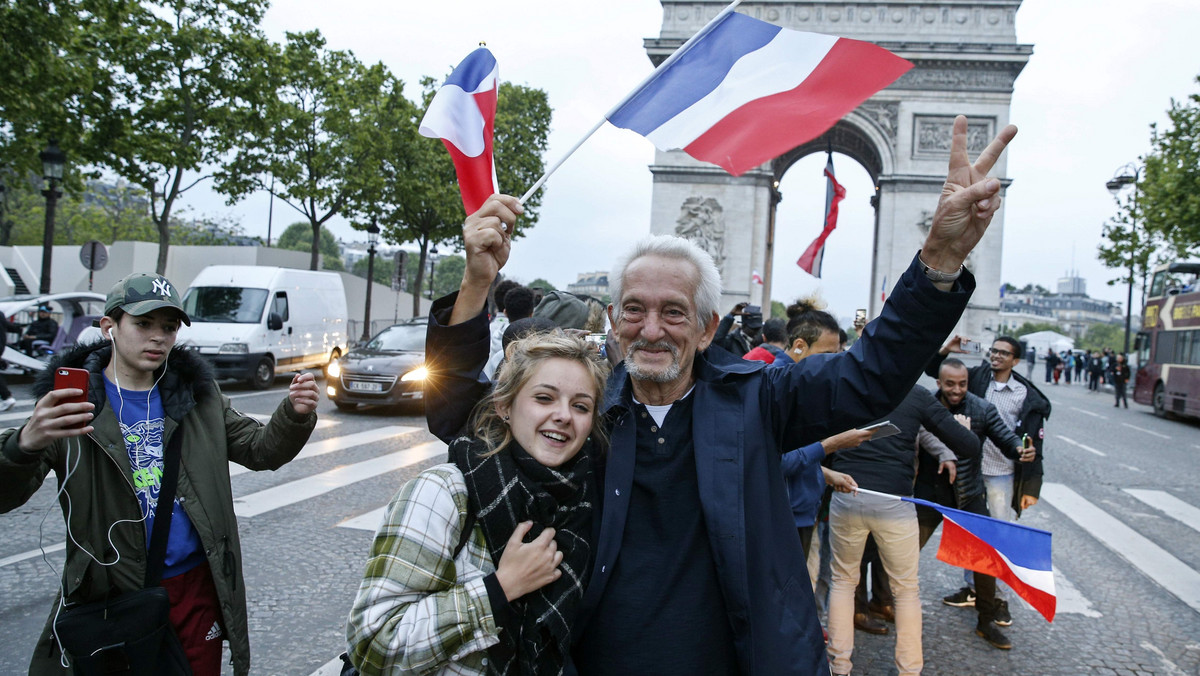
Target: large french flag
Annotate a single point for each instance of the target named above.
(462, 114)
(747, 91)
(1008, 551)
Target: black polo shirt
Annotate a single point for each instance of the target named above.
(662, 611)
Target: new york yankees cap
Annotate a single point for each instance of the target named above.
(142, 293)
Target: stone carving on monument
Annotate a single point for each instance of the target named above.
(883, 114)
(702, 220)
(933, 133)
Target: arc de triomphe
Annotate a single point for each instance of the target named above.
(966, 60)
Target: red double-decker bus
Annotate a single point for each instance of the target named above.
(1168, 346)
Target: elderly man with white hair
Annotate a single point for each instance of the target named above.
(698, 568)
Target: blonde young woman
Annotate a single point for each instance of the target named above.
(480, 564)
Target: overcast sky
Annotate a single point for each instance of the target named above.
(1101, 72)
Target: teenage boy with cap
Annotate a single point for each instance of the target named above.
(141, 394)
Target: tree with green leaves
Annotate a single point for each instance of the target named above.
(103, 211)
(49, 67)
(1169, 203)
(542, 284)
(183, 72)
(1033, 327)
(299, 237)
(1128, 246)
(1099, 336)
(385, 267)
(318, 143)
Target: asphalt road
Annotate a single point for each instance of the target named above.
(1120, 500)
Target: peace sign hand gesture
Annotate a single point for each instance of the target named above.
(968, 202)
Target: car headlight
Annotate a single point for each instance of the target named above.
(333, 370)
(331, 391)
(234, 348)
(416, 374)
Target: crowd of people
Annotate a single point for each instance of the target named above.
(650, 498)
(1102, 368)
(686, 497)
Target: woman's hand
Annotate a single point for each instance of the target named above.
(524, 566)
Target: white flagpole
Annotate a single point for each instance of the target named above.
(655, 73)
(882, 495)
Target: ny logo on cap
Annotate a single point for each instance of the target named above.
(162, 287)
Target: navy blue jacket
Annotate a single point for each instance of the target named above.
(744, 418)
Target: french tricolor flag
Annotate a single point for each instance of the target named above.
(746, 91)
(1008, 551)
(462, 113)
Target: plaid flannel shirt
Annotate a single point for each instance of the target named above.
(419, 611)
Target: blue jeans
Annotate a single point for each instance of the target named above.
(999, 503)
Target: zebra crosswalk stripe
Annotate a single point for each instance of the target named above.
(310, 487)
(1170, 505)
(341, 443)
(1155, 562)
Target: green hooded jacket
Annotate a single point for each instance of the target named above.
(101, 493)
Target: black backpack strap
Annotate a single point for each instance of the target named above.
(465, 536)
(156, 557)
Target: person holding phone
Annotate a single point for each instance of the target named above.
(141, 392)
(962, 484)
(1012, 486)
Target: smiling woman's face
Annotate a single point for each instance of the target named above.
(552, 415)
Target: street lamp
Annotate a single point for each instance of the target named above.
(372, 240)
(53, 161)
(432, 262)
(1126, 176)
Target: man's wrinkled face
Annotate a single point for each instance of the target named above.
(656, 323)
(952, 382)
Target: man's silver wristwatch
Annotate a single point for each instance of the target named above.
(937, 276)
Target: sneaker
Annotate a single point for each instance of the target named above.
(994, 636)
(1003, 617)
(963, 598)
(7, 403)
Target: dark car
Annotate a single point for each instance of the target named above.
(387, 370)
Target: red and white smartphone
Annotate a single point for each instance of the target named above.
(67, 378)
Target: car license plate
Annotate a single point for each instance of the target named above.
(365, 387)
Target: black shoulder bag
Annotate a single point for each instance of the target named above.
(132, 633)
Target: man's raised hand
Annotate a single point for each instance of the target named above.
(968, 202)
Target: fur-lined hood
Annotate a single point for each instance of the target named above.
(188, 378)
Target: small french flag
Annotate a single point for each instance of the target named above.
(462, 114)
(1015, 553)
(756, 278)
(883, 290)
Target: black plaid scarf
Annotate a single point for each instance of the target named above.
(507, 488)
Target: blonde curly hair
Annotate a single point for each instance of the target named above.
(521, 358)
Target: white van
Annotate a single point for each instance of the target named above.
(251, 321)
